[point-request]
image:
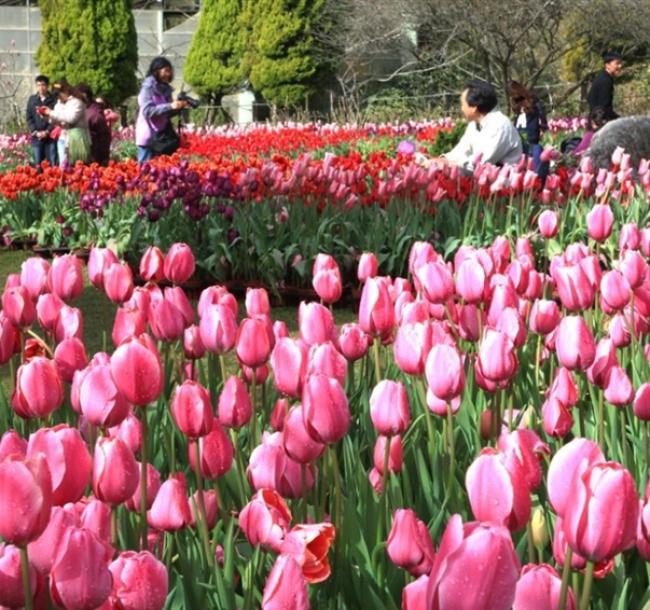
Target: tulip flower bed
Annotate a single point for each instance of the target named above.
(476, 439)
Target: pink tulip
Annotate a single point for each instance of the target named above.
(325, 359)
(44, 549)
(298, 444)
(325, 409)
(445, 372)
(285, 587)
(25, 498)
(166, 320)
(8, 339)
(137, 370)
(641, 402)
(409, 544)
(289, 364)
(496, 493)
(115, 472)
(218, 327)
(353, 342)
(412, 346)
(578, 562)
(629, 238)
(11, 442)
(152, 265)
(395, 454)
(100, 400)
(17, 306)
(497, 358)
(216, 452)
(69, 324)
(234, 406)
(153, 483)
(548, 223)
(140, 581)
(523, 449)
(634, 267)
(569, 464)
(99, 261)
(615, 289)
(539, 588)
(191, 409)
(600, 221)
(128, 323)
(436, 281)
(48, 308)
(564, 388)
(179, 263)
(574, 287)
(265, 519)
(421, 253)
(376, 314)
(368, 266)
(471, 280)
(604, 493)
(315, 323)
(618, 387)
(70, 356)
(327, 281)
(66, 277)
(170, 510)
(253, 345)
(39, 390)
(130, 431)
(574, 343)
(257, 302)
(309, 545)
(80, 579)
(544, 317)
(556, 418)
(33, 276)
(193, 347)
(466, 554)
(217, 295)
(67, 458)
(389, 408)
(118, 282)
(414, 595)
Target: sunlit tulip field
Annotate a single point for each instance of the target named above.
(475, 439)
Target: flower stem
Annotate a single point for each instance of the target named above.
(586, 590)
(143, 483)
(566, 571)
(377, 365)
(203, 519)
(451, 449)
(24, 569)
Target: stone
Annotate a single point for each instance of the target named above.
(632, 133)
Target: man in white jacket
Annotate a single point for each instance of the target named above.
(490, 136)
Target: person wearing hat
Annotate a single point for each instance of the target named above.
(601, 94)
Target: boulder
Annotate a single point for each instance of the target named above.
(632, 133)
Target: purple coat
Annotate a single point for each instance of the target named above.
(155, 109)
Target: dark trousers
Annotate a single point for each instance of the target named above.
(44, 150)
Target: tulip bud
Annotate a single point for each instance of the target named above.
(409, 544)
(216, 452)
(179, 263)
(234, 407)
(368, 266)
(33, 276)
(265, 519)
(538, 528)
(548, 223)
(152, 265)
(253, 345)
(376, 313)
(139, 581)
(65, 278)
(137, 370)
(115, 471)
(191, 409)
(99, 261)
(325, 409)
(118, 282)
(389, 408)
(39, 390)
(285, 587)
(170, 510)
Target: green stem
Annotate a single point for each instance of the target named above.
(337, 488)
(143, 482)
(586, 590)
(451, 449)
(24, 569)
(601, 419)
(202, 520)
(531, 544)
(566, 571)
(254, 441)
(303, 489)
(234, 436)
(624, 447)
(646, 445)
(222, 365)
(429, 416)
(377, 365)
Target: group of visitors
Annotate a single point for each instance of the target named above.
(68, 124)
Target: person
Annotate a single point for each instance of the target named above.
(530, 122)
(156, 107)
(489, 135)
(43, 145)
(601, 92)
(100, 132)
(597, 118)
(69, 113)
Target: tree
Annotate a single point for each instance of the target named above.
(280, 57)
(91, 41)
(214, 65)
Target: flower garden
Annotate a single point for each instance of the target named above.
(451, 414)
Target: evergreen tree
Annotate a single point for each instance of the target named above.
(280, 57)
(92, 41)
(214, 62)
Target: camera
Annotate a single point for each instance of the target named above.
(191, 101)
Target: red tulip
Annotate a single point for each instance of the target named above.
(139, 581)
(539, 587)
(309, 544)
(600, 221)
(25, 498)
(179, 263)
(115, 471)
(17, 306)
(80, 579)
(548, 223)
(33, 276)
(191, 409)
(170, 510)
(265, 519)
(67, 458)
(368, 266)
(70, 356)
(66, 277)
(234, 407)
(11, 583)
(137, 370)
(285, 587)
(216, 452)
(298, 444)
(376, 313)
(253, 345)
(39, 390)
(152, 265)
(412, 346)
(574, 343)
(497, 493)
(466, 555)
(99, 261)
(289, 364)
(409, 544)
(604, 494)
(568, 464)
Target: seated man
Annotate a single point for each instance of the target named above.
(490, 134)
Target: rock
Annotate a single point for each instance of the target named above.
(632, 133)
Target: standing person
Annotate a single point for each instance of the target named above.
(98, 127)
(601, 93)
(490, 134)
(530, 120)
(70, 114)
(156, 109)
(43, 145)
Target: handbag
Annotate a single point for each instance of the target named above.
(166, 141)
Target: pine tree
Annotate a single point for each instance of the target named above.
(280, 56)
(91, 41)
(214, 62)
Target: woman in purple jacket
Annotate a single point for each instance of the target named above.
(155, 106)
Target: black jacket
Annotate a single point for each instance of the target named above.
(36, 122)
(602, 94)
